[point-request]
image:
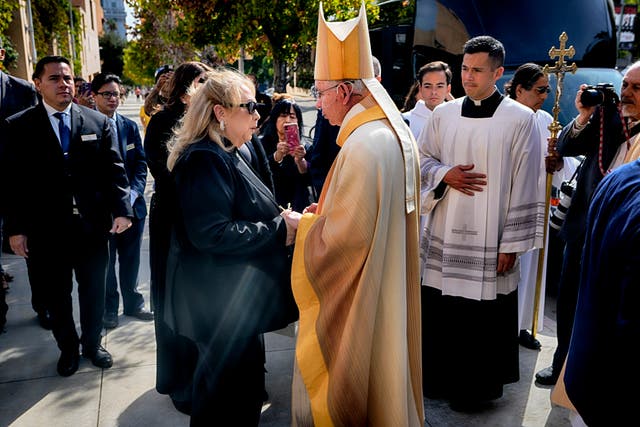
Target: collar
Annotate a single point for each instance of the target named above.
(51, 111)
(483, 108)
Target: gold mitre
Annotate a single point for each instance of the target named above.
(343, 50)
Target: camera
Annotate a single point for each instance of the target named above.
(600, 94)
(566, 193)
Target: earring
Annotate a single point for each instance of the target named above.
(222, 125)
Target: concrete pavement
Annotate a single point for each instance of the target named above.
(32, 394)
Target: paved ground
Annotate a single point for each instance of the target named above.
(33, 395)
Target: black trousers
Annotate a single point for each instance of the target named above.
(53, 259)
(567, 300)
(228, 383)
(126, 248)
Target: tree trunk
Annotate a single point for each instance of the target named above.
(280, 75)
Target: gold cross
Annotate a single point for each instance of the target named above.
(559, 70)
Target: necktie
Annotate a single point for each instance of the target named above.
(65, 133)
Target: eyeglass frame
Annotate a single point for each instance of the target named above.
(251, 106)
(108, 94)
(542, 89)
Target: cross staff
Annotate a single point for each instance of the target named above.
(559, 69)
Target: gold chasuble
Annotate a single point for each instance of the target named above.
(355, 274)
(355, 278)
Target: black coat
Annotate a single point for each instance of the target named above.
(587, 143)
(134, 161)
(43, 187)
(228, 273)
(17, 95)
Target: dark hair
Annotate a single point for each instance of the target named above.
(410, 98)
(52, 59)
(434, 67)
(77, 79)
(487, 44)
(102, 79)
(282, 106)
(526, 76)
(181, 81)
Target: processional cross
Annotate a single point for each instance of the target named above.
(559, 70)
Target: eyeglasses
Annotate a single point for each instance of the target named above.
(542, 89)
(107, 94)
(251, 106)
(317, 94)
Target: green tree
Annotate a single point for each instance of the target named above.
(112, 52)
(52, 28)
(278, 29)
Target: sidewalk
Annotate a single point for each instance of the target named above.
(33, 395)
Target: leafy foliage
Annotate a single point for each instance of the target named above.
(53, 28)
(280, 30)
(112, 52)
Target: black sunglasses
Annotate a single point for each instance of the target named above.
(251, 106)
(543, 89)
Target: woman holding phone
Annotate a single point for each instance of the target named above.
(281, 139)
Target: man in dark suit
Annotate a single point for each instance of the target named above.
(126, 246)
(69, 191)
(15, 95)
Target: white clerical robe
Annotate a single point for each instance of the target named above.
(464, 234)
(417, 117)
(529, 259)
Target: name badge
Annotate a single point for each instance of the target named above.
(90, 137)
(130, 146)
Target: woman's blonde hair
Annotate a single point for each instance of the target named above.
(224, 87)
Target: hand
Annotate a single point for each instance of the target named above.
(120, 224)
(291, 219)
(312, 208)
(463, 181)
(282, 149)
(506, 261)
(584, 112)
(553, 163)
(18, 245)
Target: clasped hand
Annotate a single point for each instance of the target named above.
(466, 182)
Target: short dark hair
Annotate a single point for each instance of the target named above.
(526, 75)
(77, 79)
(102, 79)
(487, 44)
(432, 67)
(51, 59)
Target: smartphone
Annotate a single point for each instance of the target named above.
(292, 135)
(85, 88)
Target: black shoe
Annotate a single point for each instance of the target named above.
(547, 376)
(68, 363)
(99, 357)
(44, 319)
(110, 320)
(528, 341)
(142, 314)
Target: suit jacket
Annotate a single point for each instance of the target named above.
(587, 143)
(45, 185)
(135, 161)
(17, 95)
(228, 268)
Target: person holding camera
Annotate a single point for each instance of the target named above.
(605, 132)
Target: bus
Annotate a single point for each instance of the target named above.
(411, 33)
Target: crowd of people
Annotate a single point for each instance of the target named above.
(387, 239)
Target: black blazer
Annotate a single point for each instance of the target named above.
(587, 143)
(44, 186)
(228, 271)
(17, 95)
(135, 161)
